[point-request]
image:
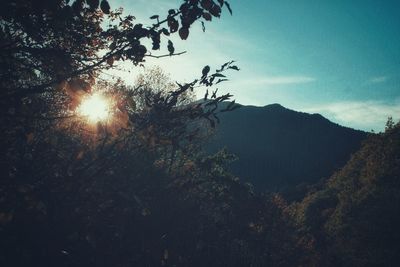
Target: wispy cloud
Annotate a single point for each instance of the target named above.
(363, 115)
(280, 80)
(378, 79)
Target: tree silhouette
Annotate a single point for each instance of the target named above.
(353, 218)
(132, 191)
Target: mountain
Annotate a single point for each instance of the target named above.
(280, 149)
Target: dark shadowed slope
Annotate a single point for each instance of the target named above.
(355, 216)
(280, 149)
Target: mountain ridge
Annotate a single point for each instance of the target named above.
(280, 149)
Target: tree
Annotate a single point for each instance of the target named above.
(53, 46)
(135, 191)
(155, 81)
(353, 218)
(52, 53)
(389, 124)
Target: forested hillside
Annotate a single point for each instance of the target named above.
(354, 217)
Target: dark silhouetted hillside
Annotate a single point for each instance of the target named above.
(355, 216)
(280, 149)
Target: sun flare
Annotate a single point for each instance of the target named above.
(95, 108)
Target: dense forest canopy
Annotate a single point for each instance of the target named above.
(354, 215)
(134, 187)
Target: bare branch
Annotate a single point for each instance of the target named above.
(166, 55)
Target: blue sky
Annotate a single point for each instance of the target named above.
(339, 58)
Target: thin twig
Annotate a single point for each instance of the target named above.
(166, 55)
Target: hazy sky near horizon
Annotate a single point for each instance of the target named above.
(338, 58)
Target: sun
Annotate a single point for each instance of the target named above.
(96, 108)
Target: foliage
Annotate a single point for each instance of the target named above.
(156, 81)
(134, 191)
(138, 190)
(354, 218)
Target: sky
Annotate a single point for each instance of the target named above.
(338, 58)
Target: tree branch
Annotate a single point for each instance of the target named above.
(166, 55)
